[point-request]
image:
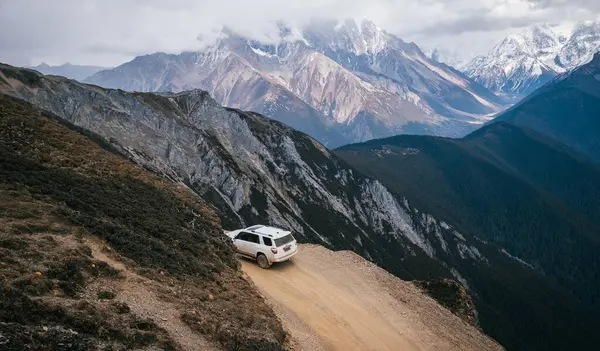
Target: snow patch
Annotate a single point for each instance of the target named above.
(459, 235)
(262, 53)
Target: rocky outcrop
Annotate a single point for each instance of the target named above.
(452, 295)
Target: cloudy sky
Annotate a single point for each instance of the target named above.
(110, 32)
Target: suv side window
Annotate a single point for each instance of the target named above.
(267, 241)
(253, 238)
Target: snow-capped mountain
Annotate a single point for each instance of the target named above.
(337, 82)
(582, 45)
(524, 61)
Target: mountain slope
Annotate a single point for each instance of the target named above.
(226, 76)
(516, 188)
(253, 169)
(566, 109)
(97, 252)
(358, 81)
(77, 72)
(524, 61)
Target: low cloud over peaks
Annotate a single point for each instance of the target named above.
(109, 32)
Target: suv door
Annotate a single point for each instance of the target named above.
(252, 243)
(241, 243)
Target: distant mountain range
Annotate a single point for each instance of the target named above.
(77, 72)
(338, 82)
(524, 61)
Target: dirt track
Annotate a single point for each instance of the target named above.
(136, 291)
(338, 301)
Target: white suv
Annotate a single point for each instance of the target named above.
(264, 244)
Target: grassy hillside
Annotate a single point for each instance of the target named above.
(60, 189)
(523, 192)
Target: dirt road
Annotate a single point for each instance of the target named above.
(338, 301)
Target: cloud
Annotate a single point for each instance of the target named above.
(585, 5)
(109, 32)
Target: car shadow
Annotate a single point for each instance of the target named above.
(277, 266)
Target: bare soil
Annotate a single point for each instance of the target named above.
(339, 301)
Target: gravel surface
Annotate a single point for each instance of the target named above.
(339, 301)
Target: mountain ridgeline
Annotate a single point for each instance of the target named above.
(510, 186)
(253, 169)
(339, 83)
(565, 109)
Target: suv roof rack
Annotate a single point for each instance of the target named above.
(273, 232)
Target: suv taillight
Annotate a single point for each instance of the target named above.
(274, 250)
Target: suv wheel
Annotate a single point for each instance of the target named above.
(263, 261)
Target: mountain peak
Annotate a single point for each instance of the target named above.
(375, 38)
(524, 61)
(369, 26)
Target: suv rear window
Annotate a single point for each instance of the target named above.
(284, 240)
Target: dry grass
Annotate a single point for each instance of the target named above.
(55, 182)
